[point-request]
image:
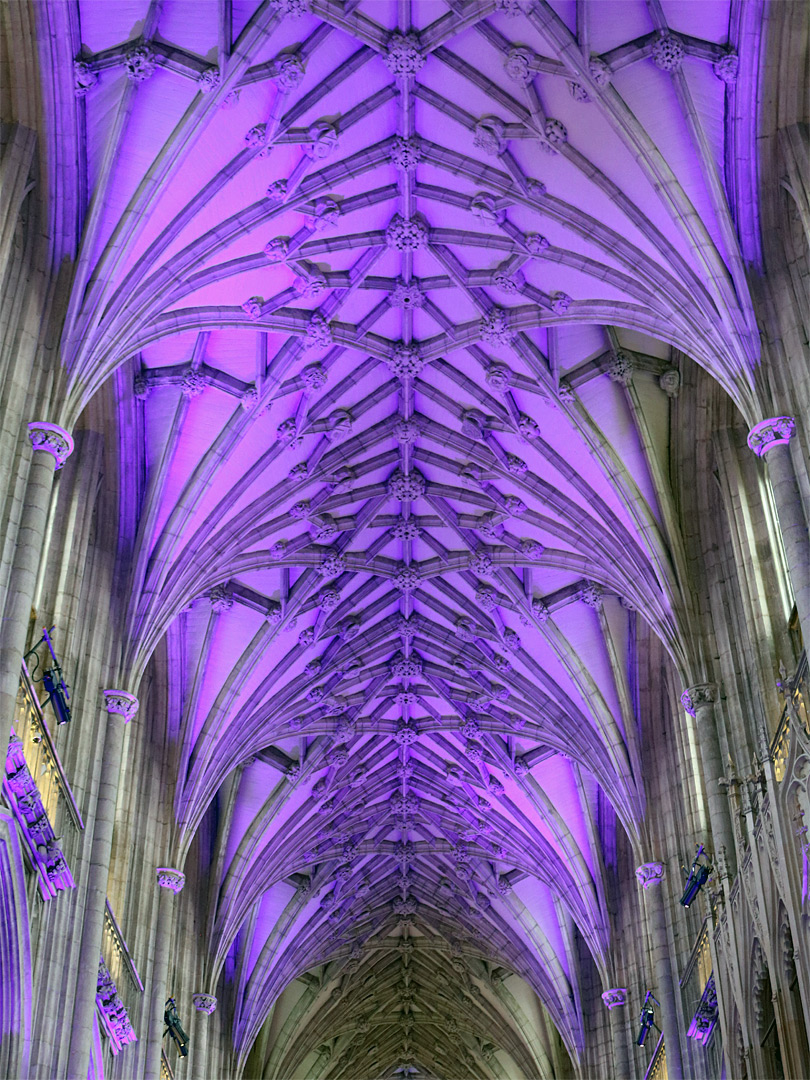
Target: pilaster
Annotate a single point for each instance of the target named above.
(120, 706)
(650, 876)
(170, 882)
(205, 1004)
(616, 999)
(699, 701)
(51, 447)
(770, 439)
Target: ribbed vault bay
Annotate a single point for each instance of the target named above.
(401, 292)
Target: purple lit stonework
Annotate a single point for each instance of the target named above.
(173, 880)
(51, 439)
(777, 431)
(112, 1011)
(23, 795)
(704, 1021)
(696, 696)
(121, 703)
(615, 998)
(410, 577)
(649, 874)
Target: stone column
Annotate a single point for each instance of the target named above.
(770, 439)
(205, 1004)
(615, 1000)
(650, 876)
(121, 707)
(52, 447)
(699, 702)
(170, 882)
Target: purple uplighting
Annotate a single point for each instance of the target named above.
(420, 556)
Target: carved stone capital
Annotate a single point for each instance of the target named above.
(204, 1003)
(121, 703)
(167, 878)
(52, 439)
(650, 873)
(615, 997)
(695, 696)
(775, 431)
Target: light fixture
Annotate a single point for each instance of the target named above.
(647, 1018)
(53, 680)
(698, 876)
(175, 1028)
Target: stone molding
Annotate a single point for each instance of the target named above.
(670, 382)
(621, 368)
(205, 1003)
(167, 878)
(615, 997)
(592, 595)
(650, 873)
(121, 703)
(668, 52)
(113, 1012)
(403, 55)
(139, 64)
(700, 694)
(209, 80)
(775, 431)
(406, 234)
(84, 78)
(52, 439)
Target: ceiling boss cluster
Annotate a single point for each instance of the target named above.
(388, 325)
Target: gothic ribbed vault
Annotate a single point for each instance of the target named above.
(395, 295)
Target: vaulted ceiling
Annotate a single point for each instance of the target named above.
(395, 294)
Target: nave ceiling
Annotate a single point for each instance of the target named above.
(395, 297)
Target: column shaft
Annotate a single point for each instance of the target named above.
(793, 526)
(170, 881)
(157, 1004)
(621, 1056)
(200, 1069)
(657, 924)
(22, 582)
(95, 902)
(712, 761)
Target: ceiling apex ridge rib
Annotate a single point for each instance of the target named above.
(352, 22)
